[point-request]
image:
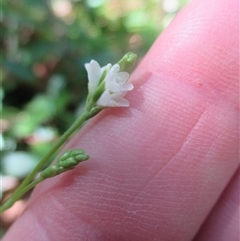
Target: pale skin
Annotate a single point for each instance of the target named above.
(167, 168)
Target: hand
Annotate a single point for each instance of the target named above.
(157, 169)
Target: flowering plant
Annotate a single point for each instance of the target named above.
(113, 82)
(107, 87)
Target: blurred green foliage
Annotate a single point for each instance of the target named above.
(44, 45)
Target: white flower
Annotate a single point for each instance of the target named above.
(116, 85)
(94, 74)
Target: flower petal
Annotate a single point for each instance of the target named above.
(110, 82)
(118, 99)
(122, 77)
(121, 102)
(104, 99)
(94, 75)
(115, 69)
(115, 84)
(112, 100)
(127, 87)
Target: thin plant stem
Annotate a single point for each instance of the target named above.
(15, 196)
(56, 146)
(18, 194)
(90, 110)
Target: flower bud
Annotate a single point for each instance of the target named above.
(127, 62)
(67, 161)
(71, 158)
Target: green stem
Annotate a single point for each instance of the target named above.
(56, 146)
(18, 194)
(15, 196)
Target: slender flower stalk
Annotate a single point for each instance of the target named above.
(107, 87)
(69, 160)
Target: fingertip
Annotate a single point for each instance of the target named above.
(200, 48)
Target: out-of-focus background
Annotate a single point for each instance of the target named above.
(44, 45)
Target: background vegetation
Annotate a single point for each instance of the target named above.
(44, 45)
